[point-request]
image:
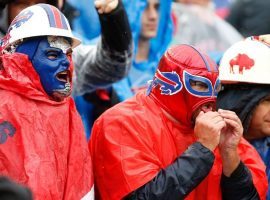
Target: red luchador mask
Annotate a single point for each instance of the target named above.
(172, 87)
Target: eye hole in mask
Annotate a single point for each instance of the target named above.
(198, 85)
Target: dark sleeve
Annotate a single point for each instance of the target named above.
(239, 185)
(3, 3)
(110, 60)
(10, 190)
(116, 33)
(180, 178)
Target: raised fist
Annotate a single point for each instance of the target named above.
(105, 6)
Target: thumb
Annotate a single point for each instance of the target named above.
(200, 113)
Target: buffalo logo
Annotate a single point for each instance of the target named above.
(20, 19)
(169, 82)
(243, 61)
(6, 129)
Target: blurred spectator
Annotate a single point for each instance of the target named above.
(250, 17)
(198, 25)
(244, 73)
(152, 36)
(10, 190)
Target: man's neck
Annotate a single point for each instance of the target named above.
(143, 50)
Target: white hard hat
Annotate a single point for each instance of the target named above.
(38, 20)
(247, 61)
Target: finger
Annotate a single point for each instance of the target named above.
(110, 5)
(221, 111)
(229, 115)
(213, 116)
(98, 4)
(217, 119)
(200, 113)
(235, 125)
(220, 125)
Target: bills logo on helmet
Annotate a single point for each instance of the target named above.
(169, 82)
(20, 19)
(242, 61)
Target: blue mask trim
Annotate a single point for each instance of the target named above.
(217, 84)
(187, 77)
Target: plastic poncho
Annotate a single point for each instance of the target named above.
(42, 144)
(134, 140)
(142, 72)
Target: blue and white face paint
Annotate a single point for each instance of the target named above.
(51, 58)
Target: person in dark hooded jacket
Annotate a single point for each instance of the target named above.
(244, 73)
(250, 17)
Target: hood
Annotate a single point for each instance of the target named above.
(18, 75)
(141, 72)
(159, 44)
(242, 99)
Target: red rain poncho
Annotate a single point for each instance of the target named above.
(134, 140)
(42, 144)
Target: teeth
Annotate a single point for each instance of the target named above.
(64, 72)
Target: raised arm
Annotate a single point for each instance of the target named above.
(109, 61)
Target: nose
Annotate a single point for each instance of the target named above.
(152, 12)
(65, 62)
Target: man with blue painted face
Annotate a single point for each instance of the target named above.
(42, 142)
(169, 142)
(96, 66)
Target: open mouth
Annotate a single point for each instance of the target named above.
(64, 76)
